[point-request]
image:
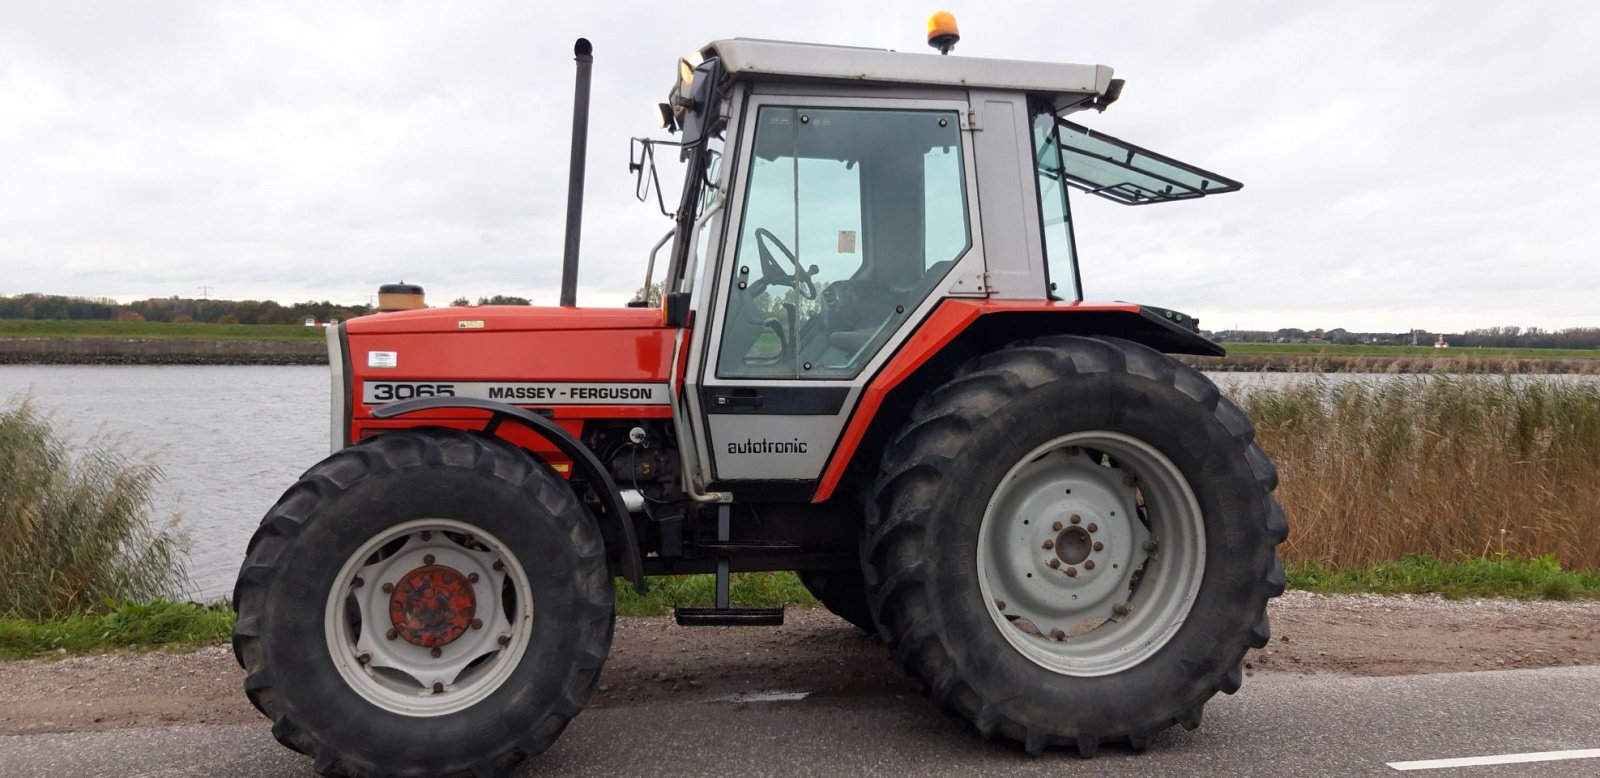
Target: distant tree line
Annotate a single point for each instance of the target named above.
(499, 299)
(1499, 337)
(173, 309)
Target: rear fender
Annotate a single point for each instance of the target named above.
(958, 330)
(614, 517)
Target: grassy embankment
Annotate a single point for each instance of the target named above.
(1371, 350)
(29, 328)
(1465, 486)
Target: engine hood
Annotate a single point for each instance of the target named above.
(505, 318)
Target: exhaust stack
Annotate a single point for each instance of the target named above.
(583, 52)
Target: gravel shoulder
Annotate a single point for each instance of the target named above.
(654, 660)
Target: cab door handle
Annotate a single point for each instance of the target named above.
(746, 399)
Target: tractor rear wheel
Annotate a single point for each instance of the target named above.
(1073, 542)
(844, 594)
(426, 602)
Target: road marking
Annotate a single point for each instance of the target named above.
(772, 696)
(1474, 761)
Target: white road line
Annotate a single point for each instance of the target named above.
(1474, 761)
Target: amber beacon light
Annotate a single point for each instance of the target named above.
(942, 32)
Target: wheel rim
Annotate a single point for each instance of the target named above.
(429, 617)
(1091, 553)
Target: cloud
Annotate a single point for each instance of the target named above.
(1423, 164)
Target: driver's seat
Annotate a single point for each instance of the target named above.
(855, 341)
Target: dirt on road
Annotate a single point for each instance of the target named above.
(653, 659)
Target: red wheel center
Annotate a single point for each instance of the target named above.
(432, 606)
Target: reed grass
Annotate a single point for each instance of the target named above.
(1496, 467)
(73, 529)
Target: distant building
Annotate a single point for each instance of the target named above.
(1441, 343)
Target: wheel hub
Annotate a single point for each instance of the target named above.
(1073, 545)
(432, 606)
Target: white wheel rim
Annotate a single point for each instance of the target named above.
(398, 675)
(1103, 593)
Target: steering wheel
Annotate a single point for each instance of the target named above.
(772, 272)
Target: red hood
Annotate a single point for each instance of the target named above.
(505, 318)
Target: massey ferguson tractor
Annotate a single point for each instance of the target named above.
(872, 364)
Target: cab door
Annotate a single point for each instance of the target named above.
(847, 220)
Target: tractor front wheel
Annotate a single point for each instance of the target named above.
(1073, 542)
(426, 602)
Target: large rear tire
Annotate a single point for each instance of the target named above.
(426, 602)
(1073, 542)
(844, 594)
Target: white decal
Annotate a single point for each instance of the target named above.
(383, 359)
(519, 393)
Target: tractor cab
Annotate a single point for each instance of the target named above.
(835, 196)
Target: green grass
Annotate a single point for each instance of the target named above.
(29, 328)
(752, 590)
(158, 624)
(1539, 579)
(1373, 350)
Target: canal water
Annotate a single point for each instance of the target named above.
(229, 440)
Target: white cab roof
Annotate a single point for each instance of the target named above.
(750, 58)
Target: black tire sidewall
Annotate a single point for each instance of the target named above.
(552, 670)
(1229, 597)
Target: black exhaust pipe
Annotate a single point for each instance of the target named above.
(583, 52)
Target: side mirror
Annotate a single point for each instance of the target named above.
(695, 105)
(642, 164)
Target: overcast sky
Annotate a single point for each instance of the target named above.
(1406, 164)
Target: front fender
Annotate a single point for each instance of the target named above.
(614, 514)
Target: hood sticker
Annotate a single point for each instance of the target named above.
(383, 359)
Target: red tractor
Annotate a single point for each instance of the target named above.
(871, 364)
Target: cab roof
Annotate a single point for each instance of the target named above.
(1064, 85)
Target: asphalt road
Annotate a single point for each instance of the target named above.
(1276, 726)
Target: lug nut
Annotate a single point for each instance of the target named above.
(1049, 544)
(357, 583)
(1072, 572)
(1054, 562)
(1075, 518)
(391, 634)
(363, 658)
(1093, 527)
(435, 652)
(427, 559)
(477, 623)
(472, 577)
(1122, 610)
(388, 587)
(1098, 545)
(1088, 564)
(438, 687)
(1058, 634)
(499, 565)
(1001, 604)
(1150, 545)
(504, 640)
(427, 534)
(1129, 480)
(1056, 526)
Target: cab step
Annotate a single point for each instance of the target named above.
(724, 615)
(728, 617)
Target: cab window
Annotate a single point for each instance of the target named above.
(851, 217)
